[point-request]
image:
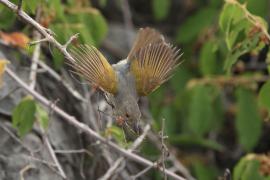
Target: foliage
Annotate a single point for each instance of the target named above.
(217, 101)
(252, 166)
(25, 114)
(64, 19)
(219, 43)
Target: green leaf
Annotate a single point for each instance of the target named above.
(244, 47)
(118, 135)
(23, 115)
(230, 14)
(260, 9)
(7, 18)
(208, 58)
(247, 169)
(97, 25)
(237, 31)
(161, 8)
(204, 172)
(190, 140)
(264, 95)
(42, 116)
(31, 5)
(57, 7)
(200, 110)
(248, 121)
(194, 24)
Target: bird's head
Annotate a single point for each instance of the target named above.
(126, 111)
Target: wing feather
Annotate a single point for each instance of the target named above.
(145, 37)
(93, 66)
(153, 65)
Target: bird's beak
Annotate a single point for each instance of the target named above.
(130, 124)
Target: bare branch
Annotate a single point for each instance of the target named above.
(53, 156)
(57, 77)
(32, 84)
(73, 151)
(25, 169)
(38, 41)
(141, 173)
(45, 32)
(34, 65)
(180, 167)
(164, 149)
(75, 36)
(73, 121)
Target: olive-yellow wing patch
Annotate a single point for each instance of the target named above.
(153, 65)
(93, 66)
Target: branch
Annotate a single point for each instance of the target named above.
(57, 77)
(42, 30)
(173, 157)
(36, 54)
(53, 156)
(70, 119)
(164, 148)
(32, 78)
(73, 121)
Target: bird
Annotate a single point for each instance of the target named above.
(150, 62)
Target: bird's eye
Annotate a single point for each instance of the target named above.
(127, 115)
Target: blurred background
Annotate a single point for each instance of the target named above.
(216, 106)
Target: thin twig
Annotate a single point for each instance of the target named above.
(73, 151)
(36, 54)
(48, 34)
(53, 156)
(13, 136)
(136, 143)
(38, 41)
(180, 167)
(57, 77)
(49, 164)
(145, 170)
(32, 84)
(164, 149)
(25, 169)
(71, 39)
(73, 121)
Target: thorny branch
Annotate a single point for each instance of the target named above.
(25, 169)
(163, 148)
(73, 121)
(48, 34)
(31, 152)
(32, 78)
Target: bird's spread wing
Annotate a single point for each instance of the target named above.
(152, 65)
(93, 66)
(145, 37)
